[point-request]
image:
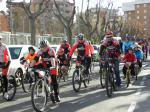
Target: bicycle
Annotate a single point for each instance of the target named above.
(128, 74)
(80, 76)
(137, 68)
(63, 73)
(11, 88)
(27, 79)
(110, 76)
(41, 89)
(102, 74)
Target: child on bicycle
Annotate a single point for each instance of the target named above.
(139, 55)
(30, 56)
(129, 57)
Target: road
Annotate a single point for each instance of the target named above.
(136, 98)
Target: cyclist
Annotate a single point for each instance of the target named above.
(4, 63)
(127, 44)
(129, 57)
(139, 55)
(62, 57)
(48, 60)
(66, 46)
(83, 52)
(109, 42)
(30, 56)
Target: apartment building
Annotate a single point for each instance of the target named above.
(138, 10)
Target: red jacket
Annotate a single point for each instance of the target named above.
(87, 51)
(129, 57)
(4, 57)
(91, 48)
(66, 47)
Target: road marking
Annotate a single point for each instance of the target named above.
(142, 83)
(132, 107)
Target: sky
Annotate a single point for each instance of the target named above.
(117, 3)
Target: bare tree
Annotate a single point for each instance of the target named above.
(67, 22)
(86, 18)
(132, 27)
(32, 15)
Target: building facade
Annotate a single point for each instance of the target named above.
(138, 10)
(3, 22)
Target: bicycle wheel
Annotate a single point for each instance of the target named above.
(76, 81)
(108, 83)
(39, 95)
(11, 88)
(18, 76)
(27, 83)
(102, 74)
(86, 79)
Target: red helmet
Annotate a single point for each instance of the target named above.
(109, 34)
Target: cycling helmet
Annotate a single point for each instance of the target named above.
(81, 36)
(31, 48)
(44, 43)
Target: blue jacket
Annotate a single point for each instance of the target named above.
(139, 54)
(126, 46)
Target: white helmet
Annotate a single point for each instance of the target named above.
(44, 43)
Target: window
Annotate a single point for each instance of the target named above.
(138, 17)
(145, 17)
(145, 11)
(145, 28)
(15, 52)
(145, 22)
(129, 13)
(137, 12)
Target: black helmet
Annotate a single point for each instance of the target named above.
(31, 48)
(44, 43)
(81, 36)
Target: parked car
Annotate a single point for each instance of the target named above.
(15, 68)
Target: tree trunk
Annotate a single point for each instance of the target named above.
(33, 31)
(69, 35)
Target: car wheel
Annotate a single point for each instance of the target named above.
(18, 77)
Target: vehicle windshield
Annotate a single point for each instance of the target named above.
(15, 52)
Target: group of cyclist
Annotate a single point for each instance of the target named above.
(46, 57)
